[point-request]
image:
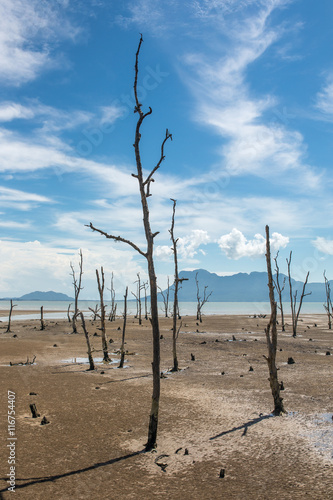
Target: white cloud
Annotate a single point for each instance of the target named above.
(235, 245)
(49, 267)
(11, 111)
(26, 29)
(187, 247)
(20, 200)
(324, 99)
(323, 245)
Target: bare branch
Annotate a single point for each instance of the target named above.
(116, 238)
(149, 178)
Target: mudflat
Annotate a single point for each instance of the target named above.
(217, 437)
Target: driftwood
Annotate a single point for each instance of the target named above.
(34, 411)
(22, 363)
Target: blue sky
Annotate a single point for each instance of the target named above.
(245, 87)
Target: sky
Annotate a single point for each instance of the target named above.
(246, 89)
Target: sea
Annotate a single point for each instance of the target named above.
(58, 309)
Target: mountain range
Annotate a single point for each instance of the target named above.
(241, 287)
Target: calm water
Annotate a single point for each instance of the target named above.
(186, 308)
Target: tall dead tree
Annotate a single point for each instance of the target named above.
(271, 337)
(77, 283)
(293, 298)
(101, 284)
(144, 188)
(112, 315)
(10, 316)
(177, 281)
(122, 348)
(279, 290)
(201, 301)
(328, 306)
(165, 297)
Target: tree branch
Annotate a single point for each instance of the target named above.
(117, 238)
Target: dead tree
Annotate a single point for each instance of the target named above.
(165, 298)
(279, 290)
(10, 316)
(95, 311)
(144, 187)
(293, 298)
(100, 284)
(201, 301)
(77, 283)
(68, 315)
(328, 306)
(90, 356)
(138, 299)
(177, 281)
(145, 286)
(42, 323)
(271, 337)
(122, 348)
(112, 315)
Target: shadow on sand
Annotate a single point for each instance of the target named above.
(39, 480)
(244, 426)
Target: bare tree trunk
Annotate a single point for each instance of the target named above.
(165, 298)
(122, 348)
(293, 298)
(271, 337)
(145, 291)
(42, 324)
(279, 290)
(77, 288)
(10, 316)
(328, 306)
(68, 315)
(112, 315)
(178, 280)
(144, 187)
(90, 356)
(138, 298)
(100, 283)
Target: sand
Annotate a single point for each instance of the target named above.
(215, 414)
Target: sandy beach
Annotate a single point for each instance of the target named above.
(217, 437)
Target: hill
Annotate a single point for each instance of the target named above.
(42, 296)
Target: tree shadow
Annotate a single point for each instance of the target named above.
(48, 479)
(244, 426)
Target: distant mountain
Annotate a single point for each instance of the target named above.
(43, 296)
(241, 287)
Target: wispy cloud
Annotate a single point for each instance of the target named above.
(235, 245)
(20, 200)
(324, 245)
(324, 99)
(27, 29)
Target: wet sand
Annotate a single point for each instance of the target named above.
(215, 414)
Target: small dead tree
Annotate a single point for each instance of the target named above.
(165, 297)
(177, 281)
(144, 188)
(279, 290)
(145, 286)
(201, 301)
(77, 283)
(95, 312)
(68, 315)
(293, 298)
(10, 316)
(42, 323)
(89, 351)
(112, 315)
(328, 306)
(138, 299)
(122, 348)
(271, 337)
(100, 284)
